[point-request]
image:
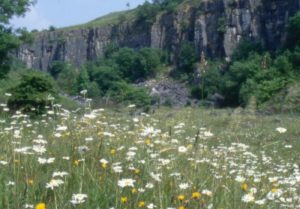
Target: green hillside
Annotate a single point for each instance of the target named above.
(109, 19)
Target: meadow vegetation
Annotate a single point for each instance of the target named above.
(173, 158)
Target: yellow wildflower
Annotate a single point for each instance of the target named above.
(148, 141)
(124, 199)
(29, 181)
(104, 165)
(244, 187)
(181, 207)
(112, 151)
(134, 190)
(181, 197)
(141, 204)
(76, 162)
(136, 171)
(40, 206)
(196, 195)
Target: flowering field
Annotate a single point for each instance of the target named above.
(187, 158)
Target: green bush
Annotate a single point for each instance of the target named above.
(210, 82)
(67, 79)
(221, 25)
(82, 81)
(287, 100)
(146, 13)
(134, 65)
(293, 38)
(56, 68)
(126, 93)
(111, 75)
(197, 93)
(258, 76)
(110, 49)
(147, 63)
(125, 59)
(106, 77)
(187, 58)
(31, 94)
(93, 90)
(295, 58)
(236, 76)
(245, 49)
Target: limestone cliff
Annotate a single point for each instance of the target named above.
(214, 26)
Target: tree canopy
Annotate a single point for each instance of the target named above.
(9, 40)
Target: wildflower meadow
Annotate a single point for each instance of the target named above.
(171, 159)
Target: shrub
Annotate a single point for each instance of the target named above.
(196, 92)
(110, 49)
(67, 79)
(93, 90)
(106, 77)
(126, 93)
(236, 76)
(295, 58)
(252, 77)
(246, 48)
(56, 68)
(82, 81)
(187, 58)
(110, 76)
(212, 79)
(32, 92)
(146, 13)
(147, 63)
(293, 38)
(125, 58)
(221, 25)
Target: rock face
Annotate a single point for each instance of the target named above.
(167, 91)
(215, 27)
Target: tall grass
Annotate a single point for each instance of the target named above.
(174, 158)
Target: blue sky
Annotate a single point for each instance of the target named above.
(60, 13)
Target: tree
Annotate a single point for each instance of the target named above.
(83, 80)
(106, 77)
(146, 13)
(8, 40)
(125, 58)
(147, 63)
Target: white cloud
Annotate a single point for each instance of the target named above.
(32, 20)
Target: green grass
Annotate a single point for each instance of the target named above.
(111, 19)
(116, 18)
(176, 157)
